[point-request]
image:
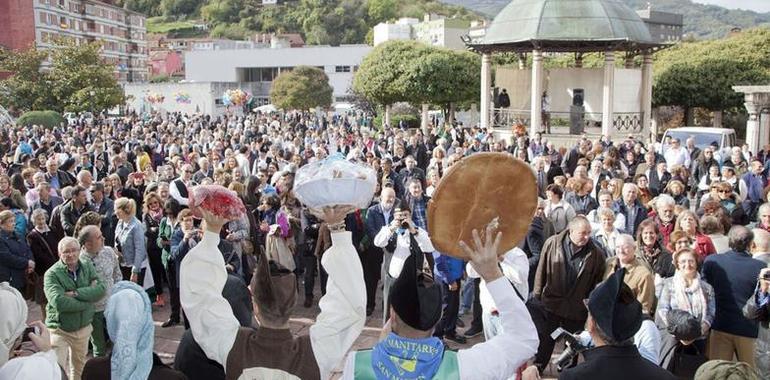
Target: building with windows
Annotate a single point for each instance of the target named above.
(432, 30)
(38, 23)
(255, 69)
(664, 27)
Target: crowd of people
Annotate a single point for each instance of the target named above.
(95, 228)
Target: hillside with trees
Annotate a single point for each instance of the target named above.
(700, 20)
(324, 22)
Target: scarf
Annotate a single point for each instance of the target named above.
(157, 215)
(691, 299)
(13, 319)
(129, 322)
(403, 358)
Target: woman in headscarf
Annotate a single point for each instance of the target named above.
(16, 363)
(130, 325)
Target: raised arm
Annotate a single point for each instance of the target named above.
(203, 276)
(499, 357)
(343, 308)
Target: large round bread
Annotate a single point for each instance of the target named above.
(473, 193)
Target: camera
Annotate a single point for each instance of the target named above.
(27, 331)
(405, 225)
(570, 352)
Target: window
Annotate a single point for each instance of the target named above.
(342, 69)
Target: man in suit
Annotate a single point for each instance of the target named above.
(411, 171)
(659, 178)
(631, 207)
(378, 216)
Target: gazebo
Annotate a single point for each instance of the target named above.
(539, 27)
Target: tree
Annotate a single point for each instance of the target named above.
(81, 81)
(701, 74)
(382, 77)
(302, 88)
(381, 10)
(28, 87)
(444, 77)
(77, 80)
(180, 7)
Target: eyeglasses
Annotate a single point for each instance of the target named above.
(725, 191)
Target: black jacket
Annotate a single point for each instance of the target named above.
(613, 362)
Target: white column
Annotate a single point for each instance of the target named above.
(646, 106)
(536, 105)
(752, 125)
(608, 93)
(764, 129)
(486, 95)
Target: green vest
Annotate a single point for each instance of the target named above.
(448, 370)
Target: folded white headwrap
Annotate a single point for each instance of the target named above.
(41, 365)
(13, 318)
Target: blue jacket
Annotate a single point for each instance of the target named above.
(375, 220)
(130, 238)
(734, 277)
(14, 259)
(448, 269)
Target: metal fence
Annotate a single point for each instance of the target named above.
(622, 122)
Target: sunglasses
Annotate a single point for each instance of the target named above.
(725, 191)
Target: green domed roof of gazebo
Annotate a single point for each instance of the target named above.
(565, 25)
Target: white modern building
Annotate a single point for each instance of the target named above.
(432, 30)
(255, 69)
(209, 73)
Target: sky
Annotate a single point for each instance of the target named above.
(753, 5)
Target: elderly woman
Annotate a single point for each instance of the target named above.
(43, 244)
(687, 222)
(675, 189)
(6, 191)
(129, 240)
(605, 201)
(685, 291)
(607, 234)
(581, 200)
(130, 325)
(556, 210)
(16, 259)
(731, 203)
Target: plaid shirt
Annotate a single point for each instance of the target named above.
(419, 211)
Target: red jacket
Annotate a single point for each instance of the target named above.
(703, 246)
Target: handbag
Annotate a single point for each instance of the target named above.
(687, 360)
(279, 251)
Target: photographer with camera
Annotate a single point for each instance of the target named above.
(17, 361)
(614, 316)
(403, 230)
(758, 309)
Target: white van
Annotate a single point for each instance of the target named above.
(704, 136)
